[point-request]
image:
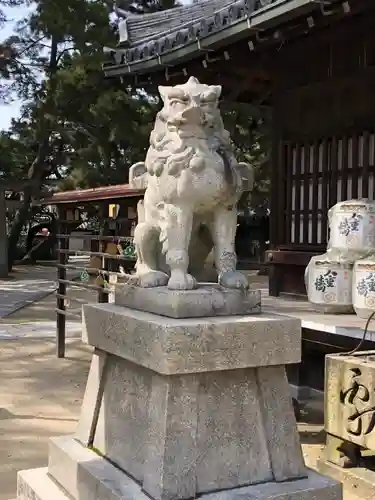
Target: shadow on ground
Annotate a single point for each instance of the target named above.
(44, 310)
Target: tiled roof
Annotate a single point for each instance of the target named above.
(149, 36)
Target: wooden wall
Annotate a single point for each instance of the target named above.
(324, 140)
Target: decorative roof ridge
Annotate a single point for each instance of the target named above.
(178, 9)
(137, 29)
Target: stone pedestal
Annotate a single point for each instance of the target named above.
(350, 421)
(177, 408)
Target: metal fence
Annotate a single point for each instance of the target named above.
(93, 271)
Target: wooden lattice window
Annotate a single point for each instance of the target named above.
(316, 176)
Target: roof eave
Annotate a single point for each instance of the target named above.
(91, 195)
(265, 18)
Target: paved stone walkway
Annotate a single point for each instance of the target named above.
(17, 294)
(27, 285)
(38, 330)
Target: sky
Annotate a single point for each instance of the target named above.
(9, 111)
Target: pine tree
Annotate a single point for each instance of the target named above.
(81, 125)
(41, 47)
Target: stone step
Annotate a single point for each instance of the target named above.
(84, 474)
(106, 482)
(35, 484)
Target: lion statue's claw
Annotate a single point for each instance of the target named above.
(233, 279)
(153, 279)
(181, 281)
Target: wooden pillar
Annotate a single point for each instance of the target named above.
(3, 237)
(63, 244)
(103, 217)
(276, 211)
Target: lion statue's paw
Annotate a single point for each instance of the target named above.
(181, 281)
(153, 279)
(233, 279)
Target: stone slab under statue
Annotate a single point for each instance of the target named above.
(187, 393)
(208, 299)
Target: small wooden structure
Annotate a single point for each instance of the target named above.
(110, 234)
(313, 62)
(11, 199)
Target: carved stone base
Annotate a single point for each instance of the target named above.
(174, 398)
(87, 476)
(176, 409)
(207, 300)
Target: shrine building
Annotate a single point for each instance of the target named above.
(313, 63)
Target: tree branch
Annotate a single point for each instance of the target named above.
(63, 52)
(31, 45)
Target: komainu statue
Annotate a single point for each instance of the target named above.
(193, 183)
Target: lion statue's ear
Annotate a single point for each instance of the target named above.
(163, 91)
(216, 89)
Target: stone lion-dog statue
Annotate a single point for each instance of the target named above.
(193, 183)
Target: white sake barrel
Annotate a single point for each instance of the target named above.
(364, 287)
(329, 285)
(352, 226)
